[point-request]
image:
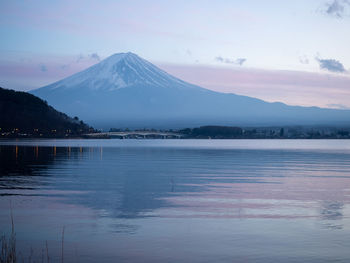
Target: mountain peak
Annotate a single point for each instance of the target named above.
(120, 70)
(115, 58)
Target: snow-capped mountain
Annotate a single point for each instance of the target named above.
(120, 71)
(125, 90)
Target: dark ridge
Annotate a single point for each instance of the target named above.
(23, 114)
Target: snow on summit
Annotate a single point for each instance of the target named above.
(118, 71)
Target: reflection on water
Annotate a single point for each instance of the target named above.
(332, 214)
(168, 198)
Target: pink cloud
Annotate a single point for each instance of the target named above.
(291, 87)
(31, 73)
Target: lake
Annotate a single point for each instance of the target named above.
(178, 200)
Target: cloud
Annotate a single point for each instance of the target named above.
(238, 61)
(304, 60)
(65, 66)
(337, 8)
(331, 65)
(43, 67)
(88, 59)
(95, 56)
(92, 56)
(338, 106)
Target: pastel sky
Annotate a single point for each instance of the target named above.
(297, 52)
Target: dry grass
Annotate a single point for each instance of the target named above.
(8, 246)
(9, 253)
(8, 249)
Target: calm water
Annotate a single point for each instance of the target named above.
(178, 200)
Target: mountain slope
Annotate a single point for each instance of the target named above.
(126, 91)
(25, 113)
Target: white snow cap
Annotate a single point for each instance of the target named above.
(118, 71)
